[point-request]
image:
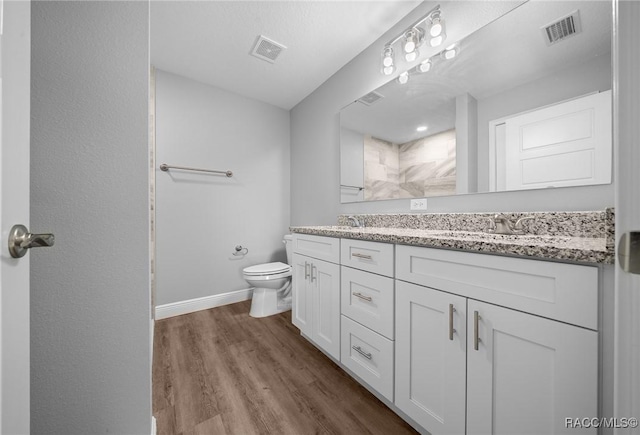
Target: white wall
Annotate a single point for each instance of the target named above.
(315, 145)
(200, 217)
(90, 296)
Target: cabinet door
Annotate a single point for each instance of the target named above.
(430, 363)
(301, 311)
(325, 281)
(529, 373)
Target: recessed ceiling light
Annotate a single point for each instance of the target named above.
(422, 128)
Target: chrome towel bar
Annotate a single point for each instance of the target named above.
(351, 187)
(164, 167)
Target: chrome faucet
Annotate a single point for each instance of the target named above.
(355, 222)
(503, 225)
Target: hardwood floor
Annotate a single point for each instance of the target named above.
(221, 371)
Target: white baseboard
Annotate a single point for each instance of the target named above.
(204, 303)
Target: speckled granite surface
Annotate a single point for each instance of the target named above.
(584, 237)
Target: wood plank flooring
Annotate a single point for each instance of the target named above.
(221, 371)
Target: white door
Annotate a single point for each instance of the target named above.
(14, 209)
(528, 374)
(431, 357)
(627, 113)
(301, 297)
(325, 280)
(566, 144)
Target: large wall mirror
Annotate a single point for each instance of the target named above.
(525, 104)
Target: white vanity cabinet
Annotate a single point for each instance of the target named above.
(492, 365)
(316, 290)
(367, 293)
(431, 341)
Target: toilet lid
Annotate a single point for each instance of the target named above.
(267, 268)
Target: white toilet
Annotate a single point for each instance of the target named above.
(272, 285)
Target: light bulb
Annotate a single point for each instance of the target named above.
(388, 70)
(411, 57)
(425, 66)
(387, 61)
(438, 40)
(422, 128)
(436, 28)
(412, 39)
(450, 52)
(409, 46)
(403, 78)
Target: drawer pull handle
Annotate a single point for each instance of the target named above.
(306, 270)
(476, 338)
(363, 297)
(361, 352)
(363, 256)
(451, 329)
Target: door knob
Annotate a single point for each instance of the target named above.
(20, 239)
(629, 252)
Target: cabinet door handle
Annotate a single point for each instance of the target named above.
(451, 329)
(313, 278)
(363, 297)
(364, 256)
(306, 270)
(361, 352)
(476, 338)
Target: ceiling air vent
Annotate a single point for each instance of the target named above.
(370, 98)
(563, 28)
(267, 49)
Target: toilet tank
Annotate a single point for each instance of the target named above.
(288, 244)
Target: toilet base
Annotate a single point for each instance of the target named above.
(267, 302)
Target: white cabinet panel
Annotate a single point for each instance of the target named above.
(316, 302)
(325, 278)
(540, 287)
(430, 361)
(368, 355)
(368, 299)
(528, 373)
(373, 257)
(319, 247)
(301, 298)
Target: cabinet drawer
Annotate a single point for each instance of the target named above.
(322, 248)
(373, 257)
(368, 355)
(564, 292)
(368, 299)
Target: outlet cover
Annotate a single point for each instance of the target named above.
(419, 204)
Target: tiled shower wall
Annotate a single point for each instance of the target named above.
(417, 169)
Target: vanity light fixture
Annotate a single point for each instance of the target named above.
(388, 61)
(413, 37)
(403, 78)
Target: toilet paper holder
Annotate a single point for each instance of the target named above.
(240, 250)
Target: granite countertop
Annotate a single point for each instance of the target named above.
(549, 247)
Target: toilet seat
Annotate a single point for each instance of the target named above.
(267, 271)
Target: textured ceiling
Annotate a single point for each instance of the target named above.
(210, 41)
